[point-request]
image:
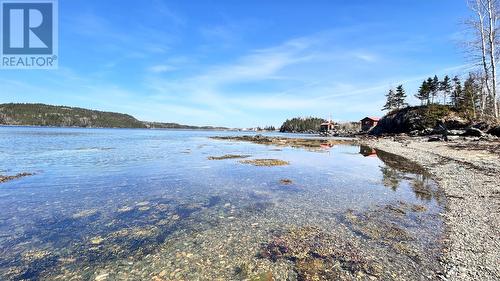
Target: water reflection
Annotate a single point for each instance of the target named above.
(367, 151)
(138, 209)
(397, 169)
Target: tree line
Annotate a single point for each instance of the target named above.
(476, 98)
(467, 98)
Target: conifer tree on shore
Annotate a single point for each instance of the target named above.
(456, 95)
(400, 97)
(445, 88)
(423, 93)
(390, 103)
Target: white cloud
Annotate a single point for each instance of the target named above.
(161, 68)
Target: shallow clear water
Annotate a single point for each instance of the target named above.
(124, 204)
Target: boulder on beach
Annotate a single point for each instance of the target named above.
(473, 132)
(495, 131)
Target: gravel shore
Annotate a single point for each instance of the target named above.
(469, 174)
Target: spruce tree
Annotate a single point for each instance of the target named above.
(390, 103)
(470, 97)
(423, 93)
(456, 95)
(400, 97)
(432, 87)
(445, 88)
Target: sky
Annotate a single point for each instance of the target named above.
(243, 63)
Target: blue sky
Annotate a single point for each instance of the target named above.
(243, 63)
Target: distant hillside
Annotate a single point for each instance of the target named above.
(63, 116)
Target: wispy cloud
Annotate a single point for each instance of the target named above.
(161, 68)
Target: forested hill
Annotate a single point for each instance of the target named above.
(63, 116)
(301, 125)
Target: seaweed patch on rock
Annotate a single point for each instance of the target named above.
(320, 255)
(265, 162)
(311, 143)
(228, 156)
(400, 227)
(286, 181)
(18, 176)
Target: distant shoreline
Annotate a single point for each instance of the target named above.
(120, 128)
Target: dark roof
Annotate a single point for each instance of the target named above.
(371, 118)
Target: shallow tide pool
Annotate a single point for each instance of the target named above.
(111, 204)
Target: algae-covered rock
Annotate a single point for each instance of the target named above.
(9, 178)
(228, 156)
(319, 255)
(265, 162)
(286, 181)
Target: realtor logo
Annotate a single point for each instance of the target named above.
(29, 34)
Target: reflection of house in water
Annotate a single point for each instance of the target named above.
(367, 151)
(368, 123)
(326, 145)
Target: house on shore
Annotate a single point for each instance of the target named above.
(327, 127)
(368, 123)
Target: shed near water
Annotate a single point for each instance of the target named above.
(368, 123)
(327, 127)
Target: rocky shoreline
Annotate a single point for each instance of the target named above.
(469, 173)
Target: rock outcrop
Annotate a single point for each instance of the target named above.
(420, 120)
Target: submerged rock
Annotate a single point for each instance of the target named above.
(228, 156)
(313, 144)
(265, 162)
(84, 214)
(9, 178)
(319, 255)
(286, 181)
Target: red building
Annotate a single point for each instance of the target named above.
(368, 123)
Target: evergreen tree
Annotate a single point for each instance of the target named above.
(390, 104)
(423, 93)
(433, 87)
(470, 97)
(456, 95)
(400, 97)
(445, 88)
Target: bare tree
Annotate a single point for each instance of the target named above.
(492, 8)
(485, 25)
